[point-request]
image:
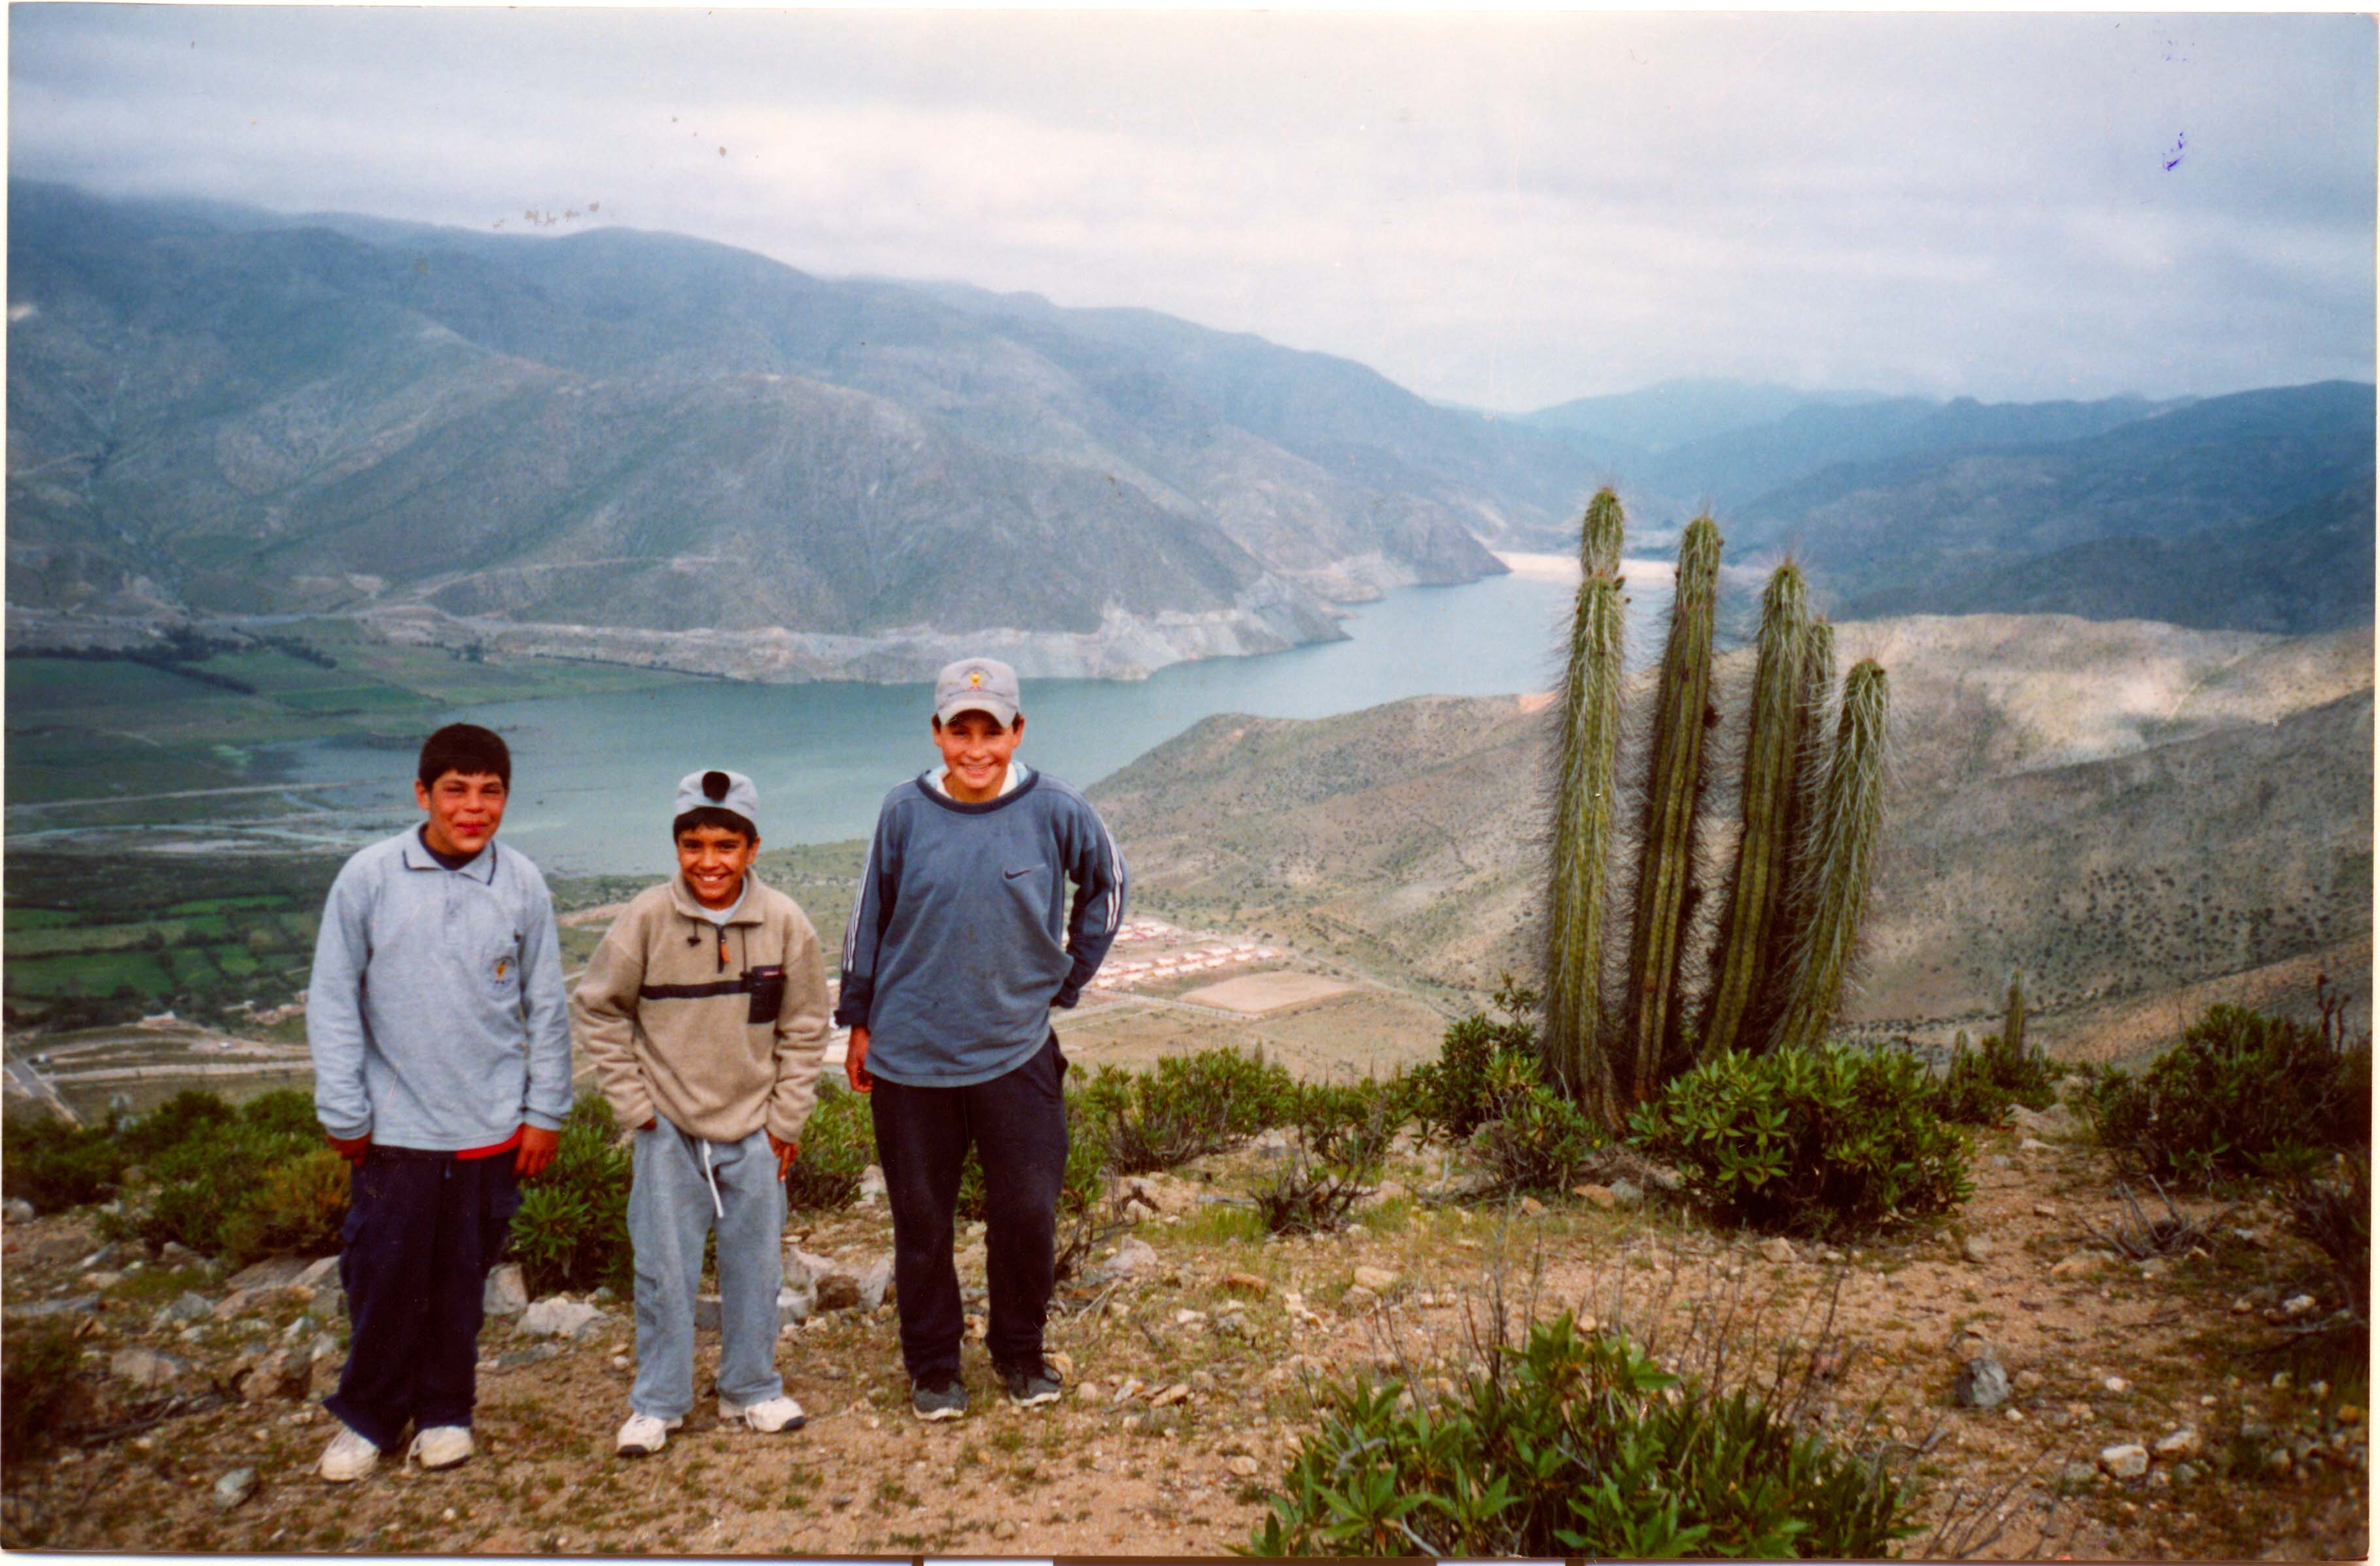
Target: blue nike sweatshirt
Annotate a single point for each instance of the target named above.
(962, 939)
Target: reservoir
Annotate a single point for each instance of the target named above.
(593, 775)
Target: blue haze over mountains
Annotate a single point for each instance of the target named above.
(231, 412)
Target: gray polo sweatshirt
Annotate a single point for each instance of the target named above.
(962, 938)
(435, 1015)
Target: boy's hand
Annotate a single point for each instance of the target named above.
(536, 1150)
(351, 1149)
(854, 1061)
(786, 1152)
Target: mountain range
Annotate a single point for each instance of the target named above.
(646, 446)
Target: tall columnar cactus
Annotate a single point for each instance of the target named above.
(1848, 817)
(2012, 1019)
(1673, 789)
(1761, 846)
(1772, 993)
(1585, 769)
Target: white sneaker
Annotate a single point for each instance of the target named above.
(768, 1416)
(440, 1445)
(643, 1434)
(349, 1458)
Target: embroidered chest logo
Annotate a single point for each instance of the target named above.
(503, 970)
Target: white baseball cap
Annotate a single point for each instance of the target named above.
(730, 791)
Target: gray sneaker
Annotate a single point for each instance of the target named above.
(946, 1398)
(1031, 1385)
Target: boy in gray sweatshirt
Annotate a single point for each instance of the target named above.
(961, 941)
(442, 1073)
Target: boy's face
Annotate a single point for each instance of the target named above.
(976, 749)
(712, 859)
(465, 809)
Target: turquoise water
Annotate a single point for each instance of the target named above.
(593, 775)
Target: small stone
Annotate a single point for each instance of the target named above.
(2279, 1460)
(1668, 1179)
(1139, 1211)
(2117, 1384)
(174, 1253)
(234, 1487)
(1379, 1281)
(1245, 1467)
(2186, 1472)
(2075, 1475)
(1982, 1382)
(871, 1184)
(1189, 1318)
(1178, 1393)
(1358, 1299)
(2155, 1266)
(1004, 1529)
(1776, 1249)
(16, 1210)
(2348, 1413)
(146, 1368)
(101, 1281)
(1086, 1392)
(1127, 1389)
(1627, 1193)
(2127, 1462)
(507, 1290)
(1134, 1259)
(188, 1305)
(2297, 1305)
(72, 1304)
(1246, 1283)
(2181, 1443)
(2045, 1209)
(1595, 1196)
(2280, 1382)
(557, 1317)
(1532, 1206)
(1976, 1248)
(286, 1372)
(2082, 1264)
(2032, 1144)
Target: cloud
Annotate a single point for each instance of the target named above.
(1505, 210)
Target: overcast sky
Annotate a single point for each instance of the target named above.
(1505, 212)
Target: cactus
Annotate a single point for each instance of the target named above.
(1761, 847)
(1844, 852)
(2013, 1023)
(1773, 988)
(1585, 769)
(1673, 789)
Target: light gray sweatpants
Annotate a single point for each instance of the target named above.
(671, 1208)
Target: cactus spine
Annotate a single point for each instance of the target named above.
(1585, 763)
(1672, 796)
(1844, 845)
(1761, 849)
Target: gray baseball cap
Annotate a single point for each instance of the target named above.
(977, 685)
(721, 791)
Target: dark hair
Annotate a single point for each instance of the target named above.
(465, 748)
(714, 815)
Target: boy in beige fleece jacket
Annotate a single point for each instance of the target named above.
(705, 1014)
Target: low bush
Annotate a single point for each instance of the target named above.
(2242, 1093)
(1982, 1084)
(1310, 1196)
(53, 1164)
(1820, 1140)
(189, 1113)
(1352, 1123)
(39, 1392)
(838, 1144)
(1186, 1106)
(2333, 1215)
(209, 1182)
(572, 1230)
(1574, 1444)
(1538, 1139)
(1459, 1092)
(285, 1111)
(298, 1209)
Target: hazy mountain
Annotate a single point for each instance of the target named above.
(2307, 569)
(1886, 535)
(2120, 809)
(233, 411)
(1625, 428)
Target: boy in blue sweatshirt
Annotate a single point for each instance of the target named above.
(960, 942)
(442, 1073)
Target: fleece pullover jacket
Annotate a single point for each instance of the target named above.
(962, 941)
(717, 1028)
(435, 1013)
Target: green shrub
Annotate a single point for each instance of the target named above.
(207, 1184)
(1457, 1093)
(298, 1209)
(1186, 1106)
(284, 1110)
(572, 1230)
(2333, 1215)
(1807, 1141)
(39, 1392)
(1981, 1085)
(1538, 1141)
(53, 1164)
(2241, 1092)
(1352, 1123)
(190, 1114)
(1574, 1444)
(838, 1144)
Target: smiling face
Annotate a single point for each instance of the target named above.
(975, 753)
(464, 809)
(712, 859)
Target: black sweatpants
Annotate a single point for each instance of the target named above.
(422, 1230)
(1017, 1124)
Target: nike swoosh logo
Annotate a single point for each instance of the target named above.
(1014, 874)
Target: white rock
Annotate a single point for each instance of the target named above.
(147, 1368)
(2298, 1305)
(2127, 1462)
(1776, 1249)
(507, 1290)
(16, 1210)
(1627, 1193)
(2183, 1442)
(186, 1306)
(2117, 1384)
(796, 1300)
(1134, 1259)
(876, 1283)
(871, 1184)
(234, 1488)
(1976, 1248)
(1379, 1281)
(557, 1317)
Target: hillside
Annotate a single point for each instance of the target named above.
(226, 413)
(2121, 809)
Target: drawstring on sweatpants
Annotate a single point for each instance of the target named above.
(712, 1176)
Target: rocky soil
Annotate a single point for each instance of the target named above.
(2135, 1409)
